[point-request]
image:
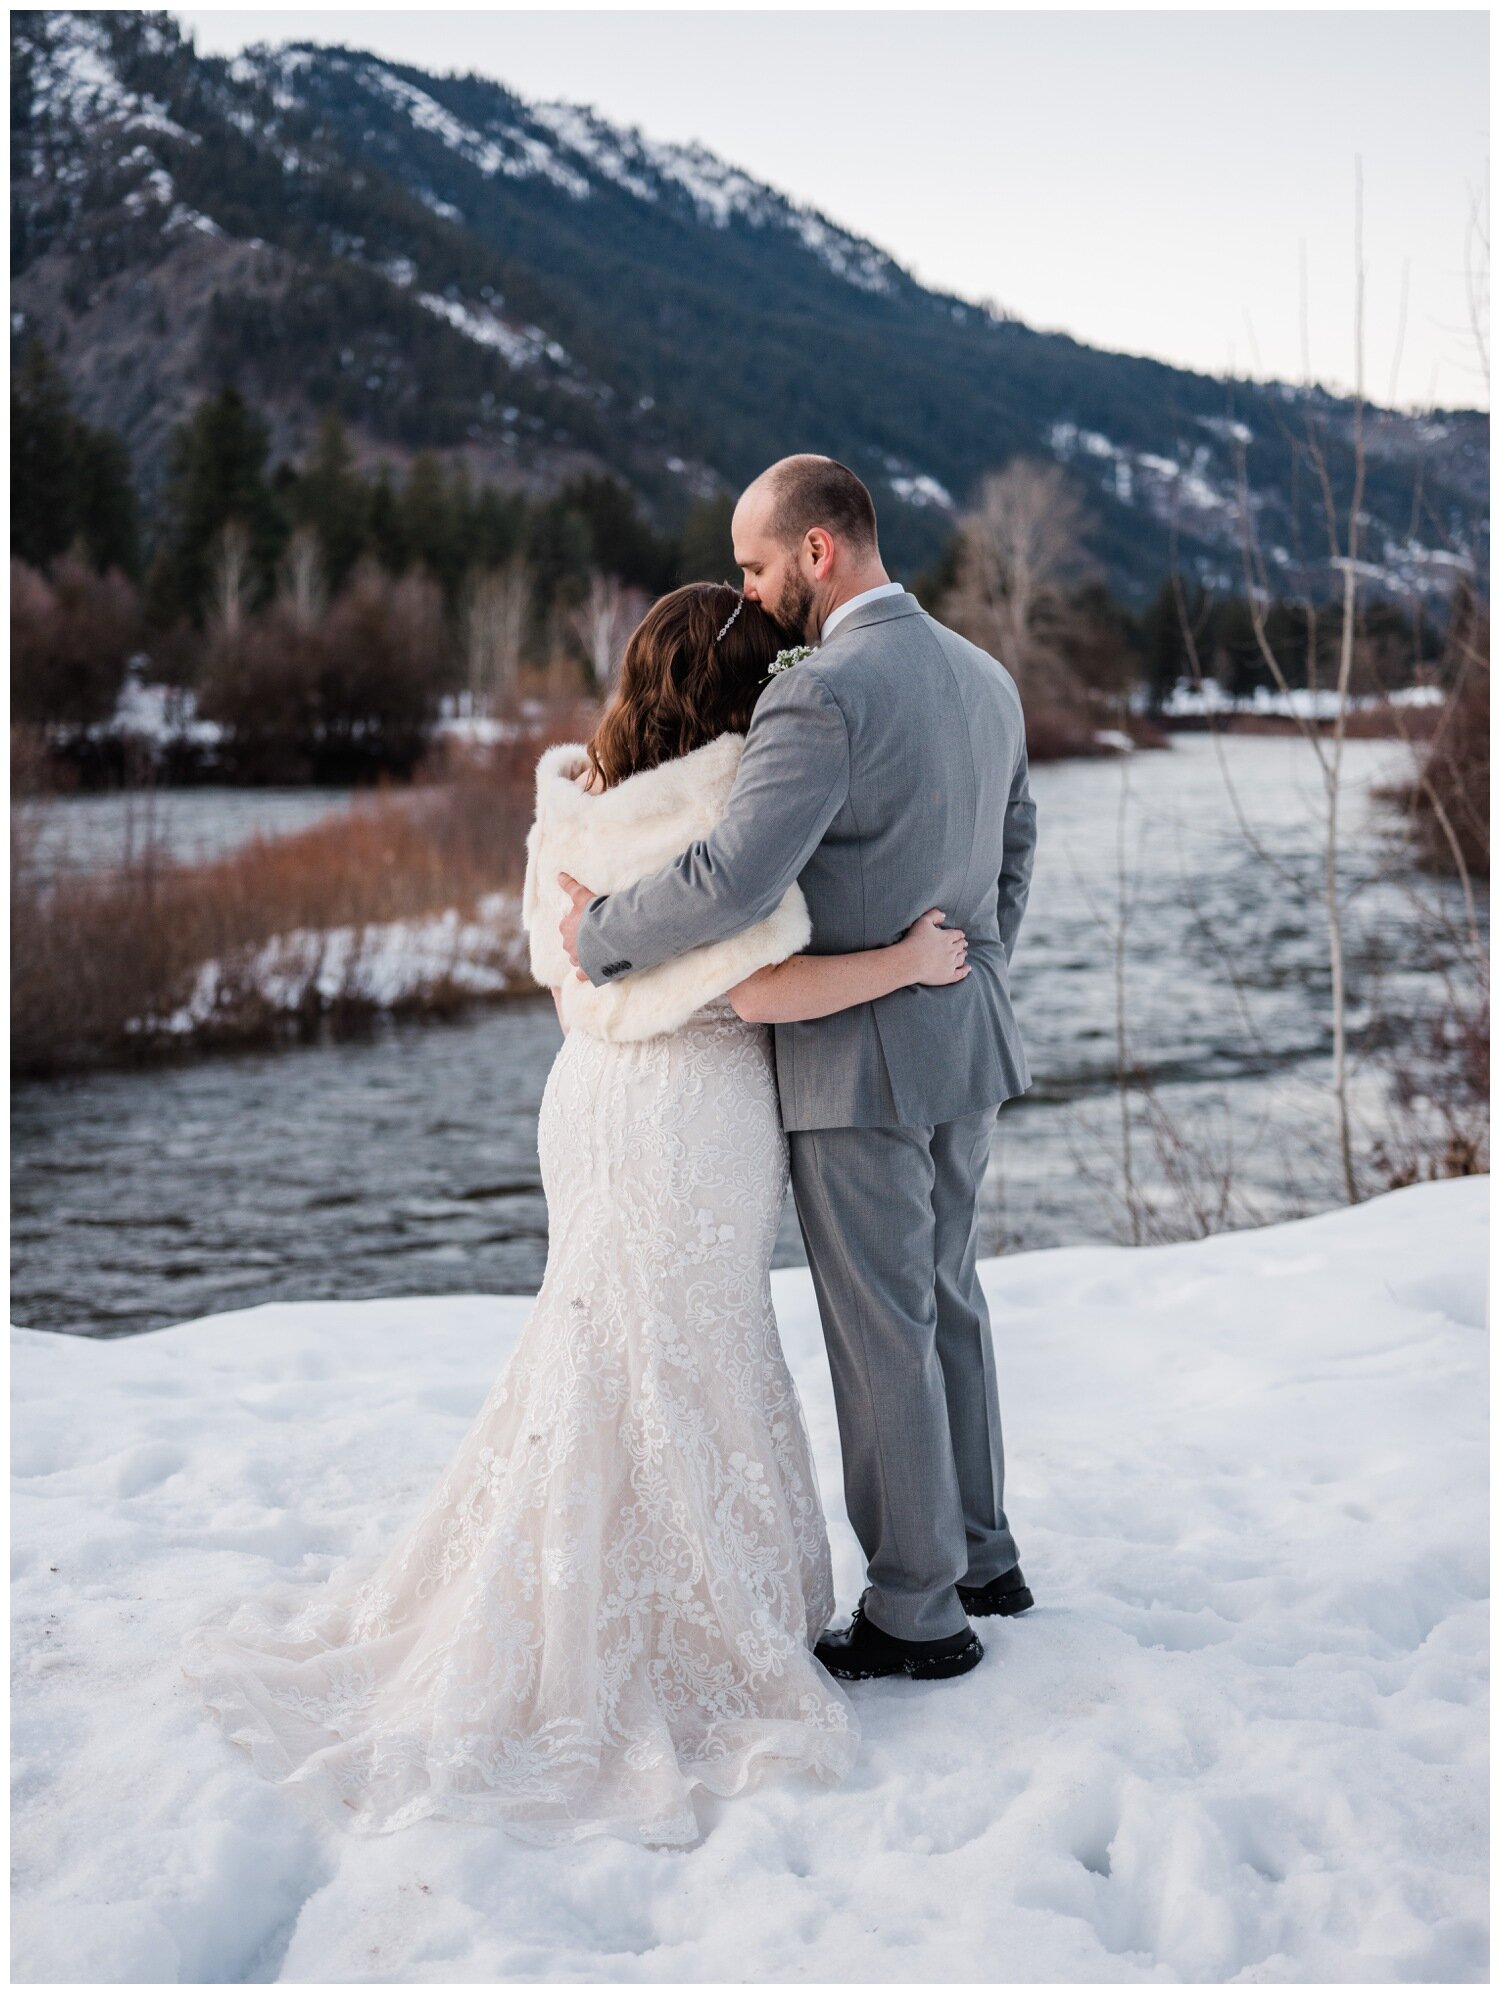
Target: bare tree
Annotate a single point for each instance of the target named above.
(1166, 1183)
(602, 623)
(1018, 552)
(1477, 275)
(494, 619)
(300, 578)
(1123, 1063)
(1346, 647)
(1328, 750)
(229, 581)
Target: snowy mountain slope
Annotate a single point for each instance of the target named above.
(1240, 1738)
(542, 290)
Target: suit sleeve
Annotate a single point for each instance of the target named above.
(792, 780)
(1018, 854)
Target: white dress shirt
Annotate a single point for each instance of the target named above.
(869, 595)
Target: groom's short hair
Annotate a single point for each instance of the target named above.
(809, 491)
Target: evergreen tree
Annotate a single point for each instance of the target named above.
(218, 459)
(560, 549)
(705, 550)
(1167, 656)
(935, 581)
(423, 511)
(1238, 664)
(68, 481)
(499, 524)
(108, 514)
(44, 470)
(387, 540)
(625, 545)
(332, 498)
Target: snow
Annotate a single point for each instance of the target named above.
(566, 143)
(1227, 427)
(1190, 699)
(519, 157)
(1241, 1736)
(615, 154)
(719, 192)
(160, 713)
(75, 81)
(383, 964)
(520, 345)
(858, 262)
(922, 491)
(274, 67)
(1167, 487)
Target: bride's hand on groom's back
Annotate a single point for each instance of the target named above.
(935, 954)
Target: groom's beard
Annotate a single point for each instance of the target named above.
(793, 611)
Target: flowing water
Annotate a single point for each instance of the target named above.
(404, 1161)
(95, 832)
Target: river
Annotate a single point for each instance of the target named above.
(404, 1161)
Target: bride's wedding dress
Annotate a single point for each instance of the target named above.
(611, 1594)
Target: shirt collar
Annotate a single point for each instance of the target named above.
(857, 602)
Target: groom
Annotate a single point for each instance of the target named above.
(887, 774)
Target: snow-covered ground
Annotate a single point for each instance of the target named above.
(1188, 699)
(383, 965)
(1241, 1737)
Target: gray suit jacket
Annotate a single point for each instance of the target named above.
(885, 774)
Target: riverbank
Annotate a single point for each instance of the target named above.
(405, 901)
(398, 1156)
(402, 901)
(1240, 1737)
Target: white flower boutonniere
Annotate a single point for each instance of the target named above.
(784, 660)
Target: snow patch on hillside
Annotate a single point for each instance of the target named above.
(514, 153)
(720, 193)
(615, 154)
(157, 189)
(75, 83)
(922, 491)
(522, 345)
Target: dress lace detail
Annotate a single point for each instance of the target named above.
(612, 1592)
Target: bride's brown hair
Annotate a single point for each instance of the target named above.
(682, 684)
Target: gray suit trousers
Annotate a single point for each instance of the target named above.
(889, 1217)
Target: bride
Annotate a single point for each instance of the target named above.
(611, 1594)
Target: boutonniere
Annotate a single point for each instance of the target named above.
(784, 660)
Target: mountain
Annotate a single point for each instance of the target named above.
(538, 292)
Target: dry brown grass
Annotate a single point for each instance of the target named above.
(1064, 732)
(1452, 804)
(89, 954)
(1382, 722)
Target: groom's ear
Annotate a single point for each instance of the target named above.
(819, 545)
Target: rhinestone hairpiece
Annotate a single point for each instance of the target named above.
(737, 608)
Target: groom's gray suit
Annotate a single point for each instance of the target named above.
(887, 774)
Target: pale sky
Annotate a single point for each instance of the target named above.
(1148, 182)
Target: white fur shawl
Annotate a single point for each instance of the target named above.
(610, 840)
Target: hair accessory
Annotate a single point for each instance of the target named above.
(737, 608)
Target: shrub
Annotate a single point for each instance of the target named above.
(338, 698)
(72, 634)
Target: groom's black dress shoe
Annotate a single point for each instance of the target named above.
(1007, 1594)
(862, 1650)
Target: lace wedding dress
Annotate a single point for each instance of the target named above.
(611, 1594)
